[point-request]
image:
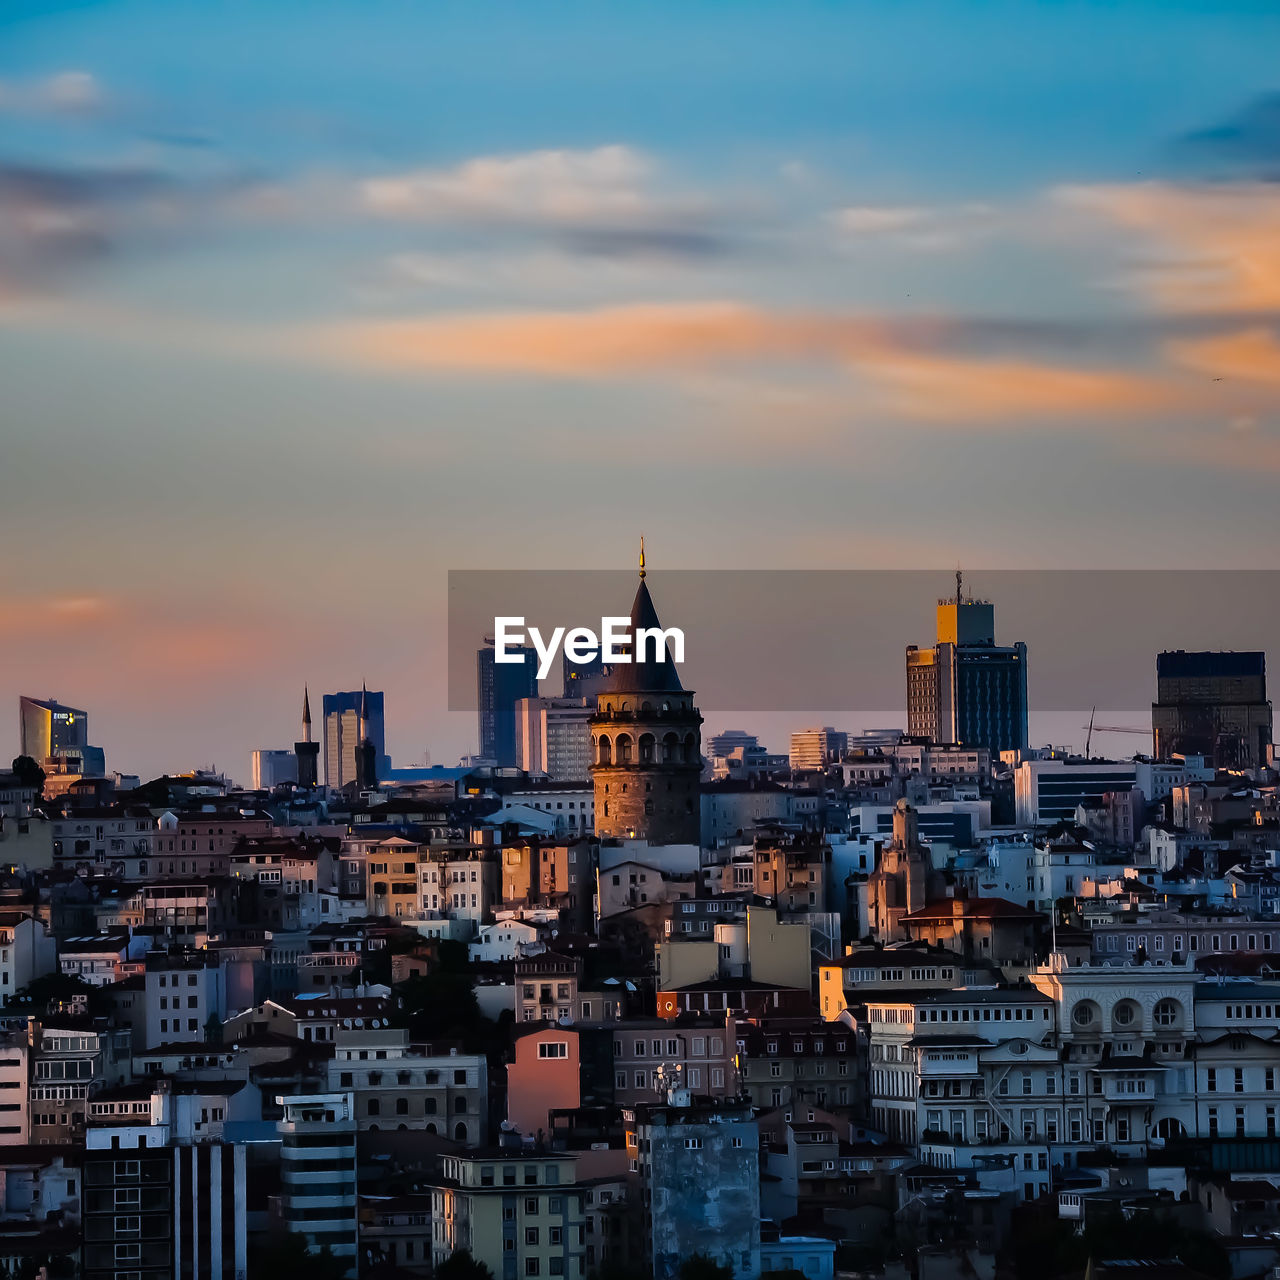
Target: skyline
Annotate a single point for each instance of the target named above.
(853, 288)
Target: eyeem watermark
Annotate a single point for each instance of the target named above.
(613, 643)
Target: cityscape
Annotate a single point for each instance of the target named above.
(634, 643)
(612, 998)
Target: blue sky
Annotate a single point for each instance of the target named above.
(303, 304)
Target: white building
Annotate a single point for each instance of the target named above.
(393, 1087)
(553, 737)
(270, 767)
(27, 951)
(505, 939)
(318, 1171)
(1049, 791)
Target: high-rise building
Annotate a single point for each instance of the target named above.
(709, 1145)
(967, 690)
(816, 748)
(553, 736)
(318, 1170)
(342, 734)
(728, 740)
(499, 686)
(585, 679)
(645, 745)
(56, 737)
(271, 767)
(164, 1187)
(306, 752)
(1212, 705)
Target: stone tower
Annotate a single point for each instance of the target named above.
(646, 744)
(905, 880)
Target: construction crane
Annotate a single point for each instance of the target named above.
(1106, 728)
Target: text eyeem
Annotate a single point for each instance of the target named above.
(613, 643)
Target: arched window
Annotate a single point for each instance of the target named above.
(430, 1108)
(606, 750)
(1168, 1013)
(459, 1106)
(624, 748)
(689, 749)
(646, 748)
(460, 1132)
(432, 1129)
(1125, 1014)
(375, 1107)
(670, 745)
(402, 1106)
(1085, 1015)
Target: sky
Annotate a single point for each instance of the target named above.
(303, 305)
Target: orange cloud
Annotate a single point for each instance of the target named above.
(898, 361)
(1223, 242)
(1252, 355)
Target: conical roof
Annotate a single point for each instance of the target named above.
(649, 676)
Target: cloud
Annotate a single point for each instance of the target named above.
(65, 93)
(1207, 248)
(608, 201)
(907, 365)
(916, 226)
(1247, 145)
(1251, 355)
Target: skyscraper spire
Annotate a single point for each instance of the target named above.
(642, 557)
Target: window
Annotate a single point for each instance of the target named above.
(554, 1049)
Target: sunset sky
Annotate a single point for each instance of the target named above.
(304, 304)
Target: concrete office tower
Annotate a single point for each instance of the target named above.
(1212, 705)
(318, 1171)
(271, 768)
(585, 679)
(968, 690)
(697, 1164)
(342, 734)
(728, 740)
(50, 731)
(553, 736)
(306, 752)
(816, 748)
(646, 745)
(499, 686)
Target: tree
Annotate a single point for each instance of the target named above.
(62, 988)
(287, 1253)
(28, 773)
(460, 1265)
(700, 1266)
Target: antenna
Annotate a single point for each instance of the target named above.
(642, 557)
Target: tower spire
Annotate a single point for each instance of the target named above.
(306, 714)
(642, 557)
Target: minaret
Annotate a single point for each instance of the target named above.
(366, 752)
(307, 752)
(646, 744)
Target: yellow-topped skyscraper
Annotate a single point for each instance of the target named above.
(966, 689)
